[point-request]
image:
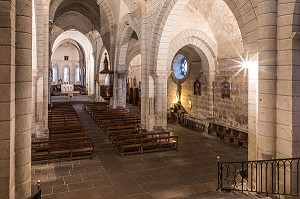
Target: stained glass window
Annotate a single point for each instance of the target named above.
(180, 66)
(54, 73)
(66, 74)
(77, 74)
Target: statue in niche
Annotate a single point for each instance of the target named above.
(134, 82)
(197, 87)
(226, 89)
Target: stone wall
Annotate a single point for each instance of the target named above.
(231, 111)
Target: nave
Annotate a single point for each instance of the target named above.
(168, 174)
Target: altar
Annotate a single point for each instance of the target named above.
(71, 94)
(69, 90)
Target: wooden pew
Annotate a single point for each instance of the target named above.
(232, 134)
(143, 145)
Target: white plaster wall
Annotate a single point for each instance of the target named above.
(66, 49)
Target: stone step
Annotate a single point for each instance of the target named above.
(224, 195)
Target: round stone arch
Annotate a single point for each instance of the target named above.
(100, 55)
(88, 50)
(54, 4)
(243, 12)
(201, 43)
(123, 42)
(131, 55)
(206, 50)
(126, 22)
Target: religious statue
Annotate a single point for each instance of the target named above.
(197, 88)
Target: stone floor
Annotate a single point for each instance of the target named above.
(170, 174)
(76, 98)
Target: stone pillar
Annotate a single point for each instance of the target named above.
(161, 82)
(23, 103)
(145, 69)
(267, 46)
(34, 97)
(7, 101)
(121, 86)
(210, 94)
(46, 84)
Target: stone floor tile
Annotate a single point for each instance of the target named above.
(182, 192)
(134, 167)
(181, 182)
(73, 179)
(154, 186)
(60, 188)
(77, 171)
(201, 188)
(102, 183)
(80, 186)
(94, 169)
(94, 176)
(63, 167)
(57, 196)
(58, 174)
(144, 179)
(137, 196)
(53, 182)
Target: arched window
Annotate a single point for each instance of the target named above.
(55, 74)
(66, 78)
(77, 75)
(107, 80)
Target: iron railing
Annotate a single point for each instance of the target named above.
(277, 176)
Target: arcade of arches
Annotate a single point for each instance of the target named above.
(234, 62)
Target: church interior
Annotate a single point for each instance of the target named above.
(149, 99)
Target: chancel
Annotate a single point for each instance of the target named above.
(149, 99)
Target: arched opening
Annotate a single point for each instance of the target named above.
(74, 49)
(133, 81)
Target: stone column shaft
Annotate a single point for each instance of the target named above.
(145, 69)
(267, 45)
(160, 82)
(46, 85)
(23, 90)
(7, 101)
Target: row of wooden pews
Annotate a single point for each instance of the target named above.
(67, 137)
(123, 130)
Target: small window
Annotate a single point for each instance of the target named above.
(180, 68)
(77, 74)
(66, 58)
(66, 75)
(54, 74)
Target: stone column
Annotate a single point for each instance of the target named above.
(145, 69)
(34, 97)
(267, 46)
(23, 92)
(210, 94)
(160, 82)
(121, 86)
(7, 99)
(46, 84)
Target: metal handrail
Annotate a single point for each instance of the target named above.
(276, 176)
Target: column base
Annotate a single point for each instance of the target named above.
(39, 133)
